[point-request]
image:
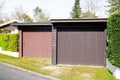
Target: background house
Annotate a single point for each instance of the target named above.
(10, 29)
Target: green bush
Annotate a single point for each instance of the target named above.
(4, 31)
(113, 27)
(13, 43)
(9, 42)
(0, 40)
(4, 41)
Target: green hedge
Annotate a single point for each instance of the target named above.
(113, 27)
(9, 42)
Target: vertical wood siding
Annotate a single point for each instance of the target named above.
(81, 47)
(37, 43)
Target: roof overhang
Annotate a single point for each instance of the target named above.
(102, 20)
(31, 24)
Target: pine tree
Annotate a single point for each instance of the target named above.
(76, 11)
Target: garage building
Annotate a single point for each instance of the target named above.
(79, 41)
(35, 39)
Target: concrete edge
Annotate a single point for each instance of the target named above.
(32, 72)
(115, 70)
(9, 53)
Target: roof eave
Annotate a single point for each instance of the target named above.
(31, 24)
(104, 20)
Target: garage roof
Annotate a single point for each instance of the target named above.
(99, 20)
(32, 24)
(78, 20)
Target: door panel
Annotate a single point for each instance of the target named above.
(81, 47)
(37, 44)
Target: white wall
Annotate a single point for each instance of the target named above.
(15, 31)
(9, 53)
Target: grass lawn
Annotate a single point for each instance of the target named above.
(43, 65)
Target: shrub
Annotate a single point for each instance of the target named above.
(0, 40)
(13, 42)
(4, 41)
(113, 27)
(9, 42)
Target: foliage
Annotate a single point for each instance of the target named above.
(1, 14)
(114, 6)
(39, 15)
(21, 15)
(43, 65)
(76, 11)
(4, 31)
(13, 42)
(27, 18)
(89, 14)
(4, 41)
(113, 27)
(9, 42)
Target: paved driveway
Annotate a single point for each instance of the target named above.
(10, 73)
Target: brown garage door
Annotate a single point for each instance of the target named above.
(37, 44)
(81, 47)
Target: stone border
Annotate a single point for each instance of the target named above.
(9, 53)
(115, 70)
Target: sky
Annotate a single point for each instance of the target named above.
(56, 9)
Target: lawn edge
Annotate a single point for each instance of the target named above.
(32, 72)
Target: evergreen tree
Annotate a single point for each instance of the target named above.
(113, 32)
(76, 11)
